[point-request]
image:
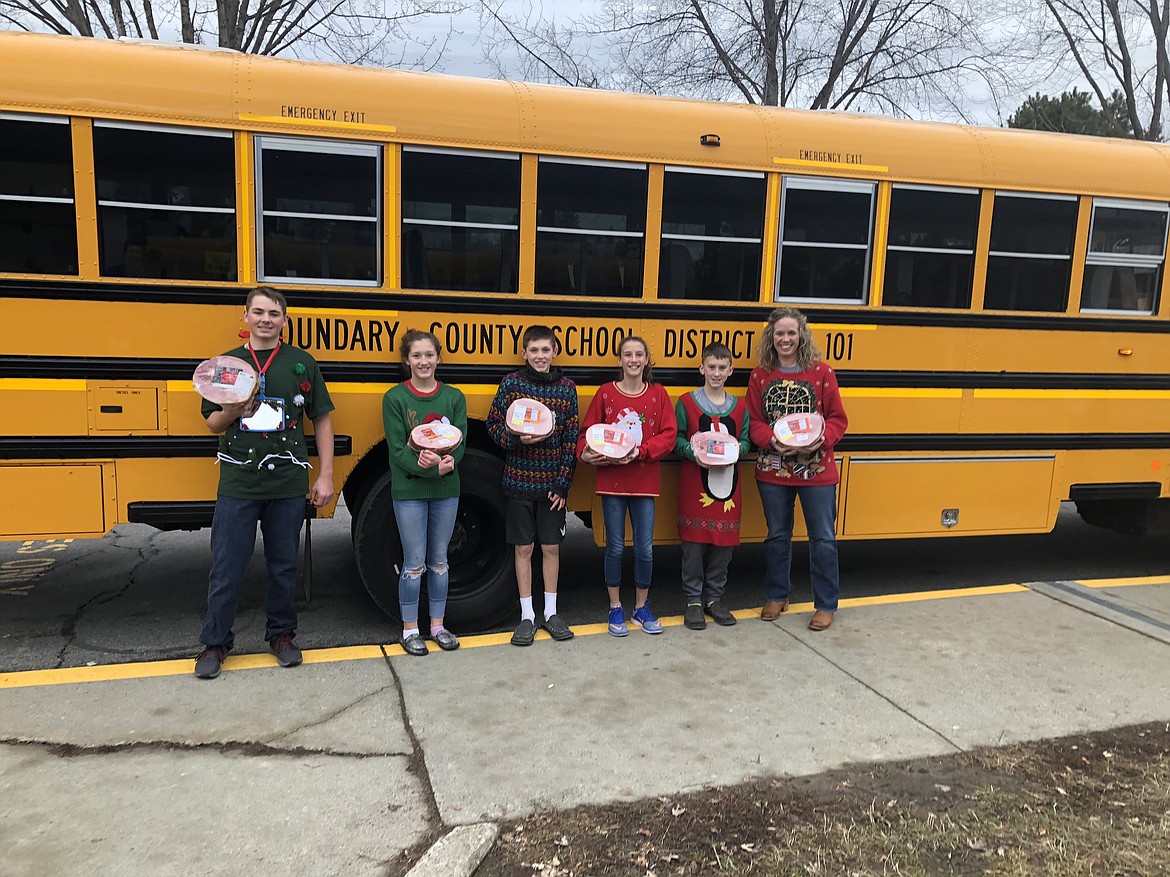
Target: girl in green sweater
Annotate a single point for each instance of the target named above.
(425, 486)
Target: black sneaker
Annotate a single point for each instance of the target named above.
(557, 628)
(285, 648)
(693, 618)
(719, 613)
(525, 633)
(209, 661)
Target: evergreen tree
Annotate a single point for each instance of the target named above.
(1073, 113)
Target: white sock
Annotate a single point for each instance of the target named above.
(550, 605)
(526, 611)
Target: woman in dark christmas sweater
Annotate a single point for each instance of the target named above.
(792, 379)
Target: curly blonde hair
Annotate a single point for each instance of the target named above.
(807, 352)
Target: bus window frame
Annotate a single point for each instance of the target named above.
(150, 206)
(1126, 260)
(1069, 257)
(404, 221)
(664, 236)
(830, 184)
(42, 119)
(643, 236)
(332, 147)
(973, 252)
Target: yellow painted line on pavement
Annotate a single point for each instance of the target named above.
(177, 667)
(1125, 582)
(184, 666)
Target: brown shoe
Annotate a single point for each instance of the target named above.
(772, 609)
(820, 620)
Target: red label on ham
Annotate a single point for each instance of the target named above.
(799, 430)
(529, 417)
(224, 380)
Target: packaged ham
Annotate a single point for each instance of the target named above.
(442, 438)
(799, 430)
(224, 380)
(715, 448)
(609, 441)
(529, 417)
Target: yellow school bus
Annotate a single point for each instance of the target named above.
(994, 301)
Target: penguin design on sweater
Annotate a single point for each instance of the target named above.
(718, 483)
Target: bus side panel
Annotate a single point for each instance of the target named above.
(44, 501)
(958, 495)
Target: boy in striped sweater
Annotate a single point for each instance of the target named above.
(537, 475)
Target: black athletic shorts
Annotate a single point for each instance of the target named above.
(530, 521)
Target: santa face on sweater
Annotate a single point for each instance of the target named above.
(630, 421)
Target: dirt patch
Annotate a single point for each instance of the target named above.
(1095, 804)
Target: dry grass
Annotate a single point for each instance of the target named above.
(1079, 806)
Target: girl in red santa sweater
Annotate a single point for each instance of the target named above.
(642, 408)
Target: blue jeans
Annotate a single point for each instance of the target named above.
(641, 510)
(233, 539)
(819, 505)
(425, 527)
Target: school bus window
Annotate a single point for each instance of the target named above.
(166, 202)
(825, 238)
(38, 226)
(1127, 252)
(460, 220)
(320, 210)
(930, 254)
(1030, 263)
(590, 227)
(712, 234)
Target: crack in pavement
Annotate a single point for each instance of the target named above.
(227, 747)
(69, 629)
(316, 723)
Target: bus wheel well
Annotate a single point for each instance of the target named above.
(364, 474)
(1129, 516)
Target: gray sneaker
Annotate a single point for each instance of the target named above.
(557, 628)
(285, 648)
(209, 661)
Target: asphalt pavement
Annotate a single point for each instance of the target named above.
(337, 766)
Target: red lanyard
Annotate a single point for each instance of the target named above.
(271, 357)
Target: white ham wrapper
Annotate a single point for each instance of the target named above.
(715, 448)
(442, 438)
(609, 441)
(224, 380)
(799, 430)
(529, 417)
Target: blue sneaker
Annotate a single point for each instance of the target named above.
(645, 619)
(617, 622)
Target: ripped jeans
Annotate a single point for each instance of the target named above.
(425, 527)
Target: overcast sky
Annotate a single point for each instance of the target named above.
(464, 53)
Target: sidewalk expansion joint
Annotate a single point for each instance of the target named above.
(1077, 596)
(231, 747)
(828, 660)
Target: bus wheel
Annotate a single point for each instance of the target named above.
(482, 587)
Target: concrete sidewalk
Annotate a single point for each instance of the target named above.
(337, 766)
